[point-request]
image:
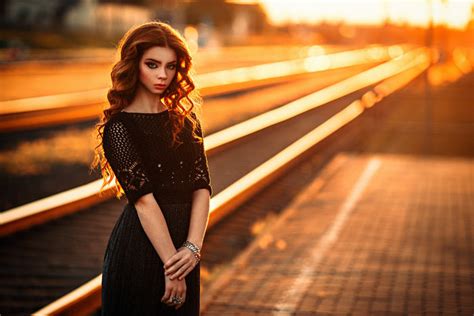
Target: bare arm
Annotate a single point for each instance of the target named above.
(199, 216)
(184, 261)
(181, 263)
(155, 226)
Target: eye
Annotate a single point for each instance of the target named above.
(152, 65)
(172, 66)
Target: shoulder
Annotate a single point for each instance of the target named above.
(198, 129)
(188, 125)
(116, 120)
(197, 118)
(116, 126)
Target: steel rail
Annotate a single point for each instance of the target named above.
(49, 208)
(64, 108)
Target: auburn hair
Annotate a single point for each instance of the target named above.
(180, 97)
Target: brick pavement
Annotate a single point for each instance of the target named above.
(378, 234)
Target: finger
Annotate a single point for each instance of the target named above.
(183, 295)
(180, 295)
(172, 260)
(170, 268)
(183, 298)
(179, 306)
(166, 296)
(181, 270)
(173, 268)
(169, 301)
(185, 272)
(189, 268)
(176, 268)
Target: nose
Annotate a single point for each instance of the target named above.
(162, 73)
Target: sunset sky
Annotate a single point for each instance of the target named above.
(455, 13)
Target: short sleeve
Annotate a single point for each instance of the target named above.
(201, 166)
(121, 153)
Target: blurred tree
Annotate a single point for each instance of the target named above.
(61, 11)
(133, 2)
(218, 12)
(233, 21)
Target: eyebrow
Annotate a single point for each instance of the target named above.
(157, 61)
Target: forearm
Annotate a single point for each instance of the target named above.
(155, 226)
(199, 217)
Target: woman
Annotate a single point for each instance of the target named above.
(152, 143)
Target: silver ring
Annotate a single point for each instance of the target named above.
(176, 300)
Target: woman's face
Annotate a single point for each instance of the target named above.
(157, 68)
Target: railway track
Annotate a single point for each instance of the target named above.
(34, 112)
(297, 77)
(44, 178)
(52, 259)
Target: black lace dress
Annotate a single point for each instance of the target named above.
(138, 148)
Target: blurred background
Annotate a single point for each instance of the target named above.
(51, 49)
(250, 57)
(61, 29)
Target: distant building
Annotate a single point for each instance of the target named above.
(76, 15)
(233, 21)
(35, 13)
(213, 18)
(110, 19)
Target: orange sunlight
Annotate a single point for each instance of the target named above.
(455, 13)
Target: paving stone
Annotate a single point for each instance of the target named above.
(396, 243)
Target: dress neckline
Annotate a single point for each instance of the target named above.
(146, 113)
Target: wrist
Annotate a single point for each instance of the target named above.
(192, 245)
(169, 256)
(196, 250)
(195, 242)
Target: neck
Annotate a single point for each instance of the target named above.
(146, 101)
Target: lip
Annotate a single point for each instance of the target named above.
(159, 85)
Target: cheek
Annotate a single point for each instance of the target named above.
(171, 75)
(145, 74)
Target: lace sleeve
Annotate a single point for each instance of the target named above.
(122, 155)
(201, 166)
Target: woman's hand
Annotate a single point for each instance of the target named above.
(174, 288)
(180, 264)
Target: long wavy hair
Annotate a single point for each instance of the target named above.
(180, 97)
